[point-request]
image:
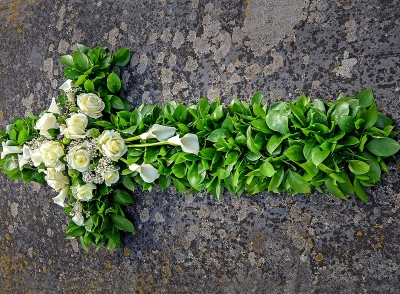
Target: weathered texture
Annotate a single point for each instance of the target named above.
(184, 50)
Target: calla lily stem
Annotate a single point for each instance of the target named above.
(150, 144)
(132, 139)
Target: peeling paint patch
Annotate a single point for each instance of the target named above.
(144, 215)
(142, 63)
(166, 75)
(61, 14)
(178, 40)
(252, 71)
(276, 63)
(63, 46)
(345, 69)
(159, 217)
(267, 24)
(14, 209)
(191, 64)
(166, 35)
(212, 94)
(351, 30)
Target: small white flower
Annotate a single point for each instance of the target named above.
(148, 173)
(111, 177)
(161, 133)
(46, 122)
(9, 150)
(76, 125)
(90, 104)
(112, 145)
(54, 107)
(189, 143)
(60, 198)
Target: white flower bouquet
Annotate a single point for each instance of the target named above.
(91, 148)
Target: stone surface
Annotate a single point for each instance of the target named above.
(184, 50)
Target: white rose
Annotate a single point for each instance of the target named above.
(111, 177)
(84, 192)
(46, 122)
(90, 104)
(112, 145)
(76, 125)
(51, 152)
(9, 150)
(56, 180)
(79, 157)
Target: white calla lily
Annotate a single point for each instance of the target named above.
(66, 86)
(60, 198)
(189, 143)
(77, 213)
(148, 173)
(9, 150)
(161, 133)
(54, 107)
(25, 157)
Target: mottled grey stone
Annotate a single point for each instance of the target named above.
(183, 51)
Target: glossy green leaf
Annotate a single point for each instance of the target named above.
(81, 61)
(123, 197)
(278, 120)
(297, 183)
(179, 170)
(371, 116)
(358, 167)
(383, 146)
(250, 142)
(346, 123)
(257, 98)
(89, 86)
(122, 223)
(366, 97)
(121, 57)
(67, 60)
(127, 182)
(295, 153)
(360, 191)
(114, 83)
(331, 186)
(267, 169)
(195, 177)
(318, 155)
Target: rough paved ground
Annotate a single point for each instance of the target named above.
(184, 50)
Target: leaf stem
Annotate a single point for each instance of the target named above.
(124, 160)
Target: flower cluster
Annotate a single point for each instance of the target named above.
(76, 161)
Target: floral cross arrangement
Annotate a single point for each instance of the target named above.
(91, 148)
